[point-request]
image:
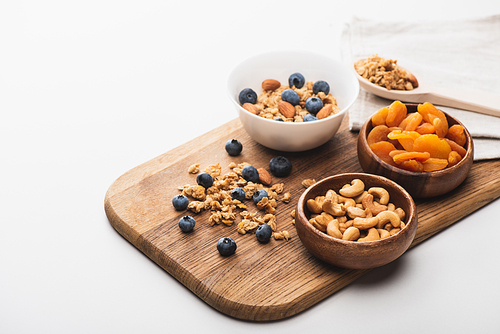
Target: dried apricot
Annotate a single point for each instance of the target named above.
(454, 158)
(378, 133)
(379, 117)
(396, 152)
(425, 129)
(418, 156)
(430, 113)
(382, 149)
(438, 148)
(412, 165)
(434, 164)
(440, 127)
(396, 114)
(455, 147)
(405, 138)
(411, 122)
(457, 134)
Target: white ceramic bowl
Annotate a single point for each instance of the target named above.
(288, 136)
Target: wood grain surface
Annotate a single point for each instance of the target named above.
(259, 282)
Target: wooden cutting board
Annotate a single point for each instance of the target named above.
(259, 282)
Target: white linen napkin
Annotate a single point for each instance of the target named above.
(461, 54)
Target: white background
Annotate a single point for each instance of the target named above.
(90, 89)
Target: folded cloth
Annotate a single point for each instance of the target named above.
(460, 54)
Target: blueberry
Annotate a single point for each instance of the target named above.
(280, 166)
(180, 202)
(279, 119)
(186, 223)
(259, 195)
(226, 246)
(264, 233)
(314, 104)
(205, 180)
(290, 96)
(233, 147)
(310, 118)
(238, 193)
(296, 80)
(250, 174)
(248, 95)
(321, 86)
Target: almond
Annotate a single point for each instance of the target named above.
(286, 109)
(413, 80)
(251, 108)
(270, 84)
(264, 176)
(325, 111)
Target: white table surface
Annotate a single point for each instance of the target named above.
(91, 89)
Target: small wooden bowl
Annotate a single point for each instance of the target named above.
(419, 185)
(352, 254)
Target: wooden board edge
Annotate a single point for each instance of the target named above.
(239, 310)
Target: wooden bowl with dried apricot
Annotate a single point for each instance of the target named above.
(423, 149)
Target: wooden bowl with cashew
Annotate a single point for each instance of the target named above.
(418, 184)
(373, 245)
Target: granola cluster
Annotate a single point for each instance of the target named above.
(267, 102)
(224, 209)
(385, 73)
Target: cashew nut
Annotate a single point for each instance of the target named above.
(371, 236)
(368, 204)
(383, 233)
(394, 231)
(351, 234)
(354, 211)
(345, 225)
(365, 223)
(359, 199)
(323, 219)
(347, 201)
(317, 225)
(333, 230)
(401, 213)
(391, 207)
(388, 216)
(314, 206)
(341, 219)
(382, 194)
(334, 209)
(357, 187)
(332, 196)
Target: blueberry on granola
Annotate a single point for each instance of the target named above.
(226, 246)
(280, 166)
(233, 147)
(279, 119)
(310, 118)
(263, 233)
(180, 202)
(314, 104)
(296, 80)
(290, 96)
(238, 193)
(250, 174)
(259, 195)
(321, 86)
(205, 180)
(186, 224)
(248, 95)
